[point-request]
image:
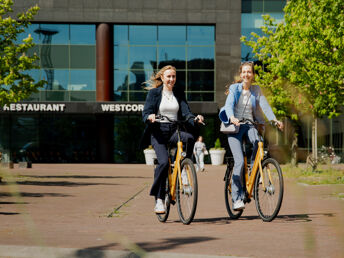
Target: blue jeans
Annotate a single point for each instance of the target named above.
(235, 143)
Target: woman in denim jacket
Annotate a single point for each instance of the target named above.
(244, 100)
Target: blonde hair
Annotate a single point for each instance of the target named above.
(237, 78)
(155, 80)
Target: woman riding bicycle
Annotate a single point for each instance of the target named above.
(166, 100)
(244, 100)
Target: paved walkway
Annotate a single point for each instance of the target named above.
(62, 211)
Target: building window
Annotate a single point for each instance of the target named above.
(67, 59)
(141, 50)
(251, 19)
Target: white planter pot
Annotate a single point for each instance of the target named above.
(217, 157)
(149, 156)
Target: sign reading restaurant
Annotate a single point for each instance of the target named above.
(72, 107)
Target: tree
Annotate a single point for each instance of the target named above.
(15, 82)
(303, 60)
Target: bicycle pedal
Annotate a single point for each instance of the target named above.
(247, 200)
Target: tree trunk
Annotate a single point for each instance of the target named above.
(315, 139)
(294, 146)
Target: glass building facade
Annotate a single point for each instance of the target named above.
(141, 50)
(67, 60)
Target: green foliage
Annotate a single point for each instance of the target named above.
(218, 145)
(15, 83)
(303, 58)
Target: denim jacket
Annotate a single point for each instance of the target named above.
(259, 104)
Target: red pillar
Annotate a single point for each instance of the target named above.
(104, 63)
(104, 88)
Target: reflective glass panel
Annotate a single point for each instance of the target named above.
(201, 57)
(82, 80)
(120, 80)
(82, 95)
(55, 56)
(83, 57)
(142, 58)
(181, 80)
(120, 96)
(201, 81)
(138, 95)
(57, 79)
(171, 35)
(35, 74)
(55, 95)
(137, 79)
(30, 30)
(142, 34)
(82, 34)
(200, 96)
(201, 35)
(121, 34)
(171, 56)
(121, 57)
(54, 33)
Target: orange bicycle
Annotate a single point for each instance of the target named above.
(181, 183)
(264, 183)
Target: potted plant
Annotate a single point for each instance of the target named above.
(149, 155)
(217, 153)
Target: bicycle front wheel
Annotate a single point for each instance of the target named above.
(163, 217)
(268, 196)
(228, 196)
(187, 194)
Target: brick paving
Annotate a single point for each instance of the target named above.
(66, 207)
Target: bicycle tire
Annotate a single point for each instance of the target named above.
(269, 200)
(228, 196)
(163, 217)
(188, 195)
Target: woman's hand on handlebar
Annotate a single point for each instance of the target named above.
(200, 119)
(279, 124)
(151, 118)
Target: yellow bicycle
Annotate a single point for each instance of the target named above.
(264, 183)
(181, 183)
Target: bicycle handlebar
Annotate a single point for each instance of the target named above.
(162, 117)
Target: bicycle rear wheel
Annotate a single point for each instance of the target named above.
(163, 217)
(228, 196)
(188, 194)
(269, 199)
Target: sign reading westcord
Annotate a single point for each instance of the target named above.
(73, 107)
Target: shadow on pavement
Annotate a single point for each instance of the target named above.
(25, 194)
(9, 213)
(58, 183)
(170, 243)
(87, 177)
(93, 252)
(301, 217)
(220, 220)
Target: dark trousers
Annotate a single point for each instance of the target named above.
(163, 135)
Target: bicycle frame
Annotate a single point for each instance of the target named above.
(172, 177)
(257, 166)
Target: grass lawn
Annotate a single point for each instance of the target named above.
(324, 174)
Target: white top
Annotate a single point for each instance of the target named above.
(199, 146)
(168, 106)
(240, 106)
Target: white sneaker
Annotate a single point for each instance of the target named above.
(184, 177)
(159, 207)
(238, 205)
